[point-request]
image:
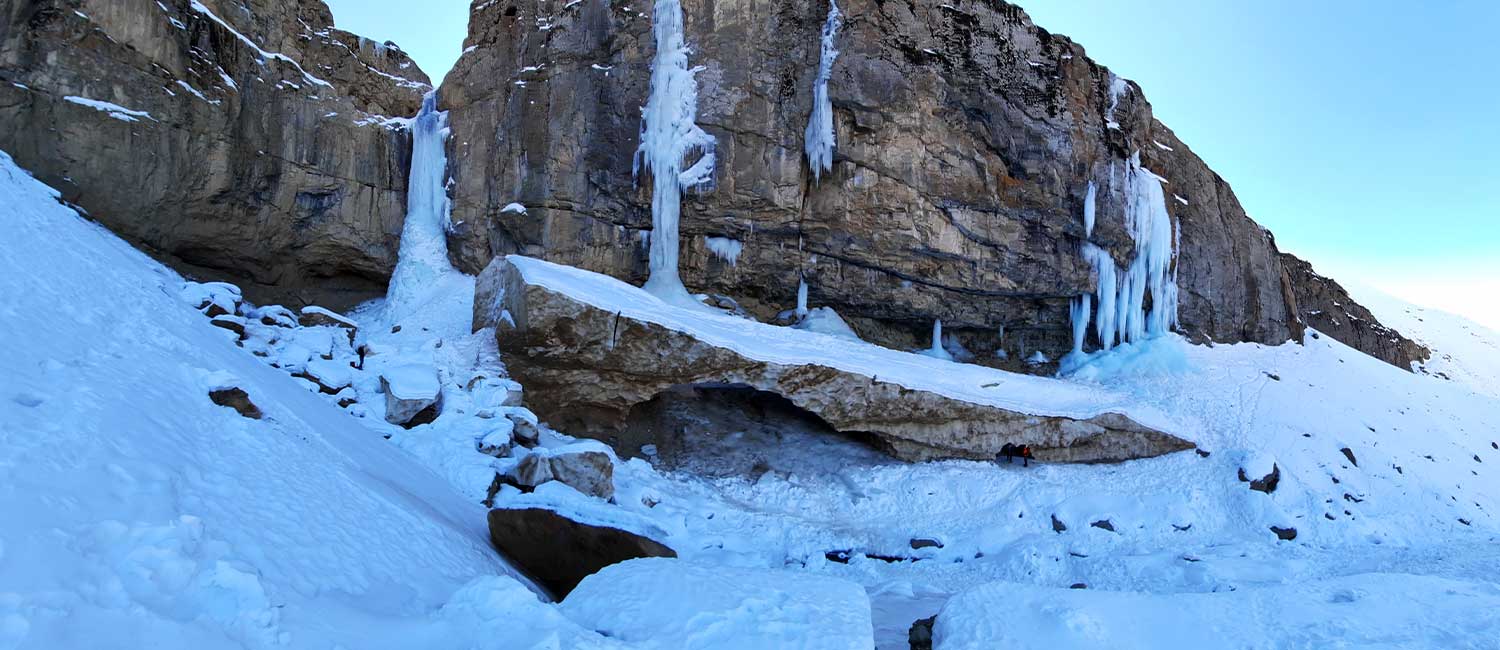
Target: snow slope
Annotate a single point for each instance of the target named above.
(1375, 610)
(1415, 496)
(1462, 350)
(140, 514)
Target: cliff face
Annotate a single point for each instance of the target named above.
(1326, 306)
(966, 140)
(243, 139)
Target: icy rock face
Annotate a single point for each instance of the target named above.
(971, 127)
(265, 154)
(585, 368)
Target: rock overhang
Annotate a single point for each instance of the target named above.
(590, 348)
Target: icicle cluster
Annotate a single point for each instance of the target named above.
(669, 136)
(1122, 313)
(423, 257)
(819, 138)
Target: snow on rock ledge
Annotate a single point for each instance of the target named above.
(589, 348)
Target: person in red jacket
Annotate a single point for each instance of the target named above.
(1010, 452)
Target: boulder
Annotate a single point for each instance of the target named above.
(1265, 483)
(586, 368)
(409, 390)
(919, 635)
(581, 467)
(237, 399)
(558, 551)
(230, 322)
(315, 316)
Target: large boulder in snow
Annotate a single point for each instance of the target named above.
(558, 551)
(587, 366)
(580, 466)
(409, 390)
(669, 603)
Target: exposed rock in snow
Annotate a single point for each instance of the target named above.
(671, 603)
(590, 349)
(583, 467)
(237, 399)
(409, 390)
(313, 316)
(558, 551)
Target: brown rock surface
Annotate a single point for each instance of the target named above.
(1325, 306)
(559, 552)
(966, 140)
(267, 162)
(586, 368)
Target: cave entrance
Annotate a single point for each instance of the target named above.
(723, 430)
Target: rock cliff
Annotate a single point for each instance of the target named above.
(1326, 306)
(239, 139)
(966, 140)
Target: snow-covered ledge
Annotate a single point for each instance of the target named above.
(588, 348)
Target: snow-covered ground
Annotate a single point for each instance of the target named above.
(1416, 493)
(139, 513)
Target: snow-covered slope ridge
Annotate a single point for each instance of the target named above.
(137, 513)
(1463, 351)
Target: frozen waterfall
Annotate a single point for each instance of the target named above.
(669, 135)
(937, 351)
(819, 138)
(801, 297)
(1123, 315)
(423, 257)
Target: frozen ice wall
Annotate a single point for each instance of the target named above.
(819, 138)
(424, 245)
(1124, 314)
(669, 135)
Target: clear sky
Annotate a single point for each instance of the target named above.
(1364, 133)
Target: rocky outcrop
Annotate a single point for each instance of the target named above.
(1325, 306)
(247, 140)
(967, 137)
(590, 471)
(558, 551)
(586, 368)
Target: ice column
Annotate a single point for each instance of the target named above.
(819, 138)
(423, 256)
(1122, 314)
(801, 297)
(669, 135)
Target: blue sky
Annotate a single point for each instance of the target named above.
(1364, 133)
